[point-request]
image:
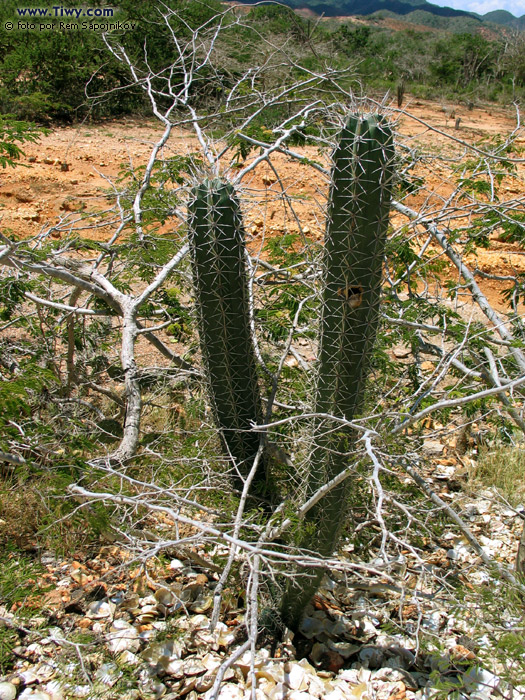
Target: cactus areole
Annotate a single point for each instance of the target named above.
(357, 222)
(216, 238)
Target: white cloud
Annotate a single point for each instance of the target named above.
(517, 7)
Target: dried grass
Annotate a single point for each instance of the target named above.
(503, 469)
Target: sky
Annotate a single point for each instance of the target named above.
(517, 7)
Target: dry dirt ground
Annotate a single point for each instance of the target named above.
(70, 172)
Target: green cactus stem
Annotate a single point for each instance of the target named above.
(216, 237)
(357, 223)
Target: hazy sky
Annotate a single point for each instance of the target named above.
(517, 7)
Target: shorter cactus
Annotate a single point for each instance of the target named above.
(216, 237)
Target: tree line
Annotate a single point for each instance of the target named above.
(67, 75)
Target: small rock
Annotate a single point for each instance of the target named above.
(433, 447)
(310, 627)
(268, 180)
(30, 215)
(461, 653)
(401, 352)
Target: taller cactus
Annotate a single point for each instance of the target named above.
(216, 238)
(355, 239)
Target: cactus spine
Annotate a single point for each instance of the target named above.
(354, 246)
(216, 237)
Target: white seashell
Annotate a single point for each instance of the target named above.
(29, 677)
(7, 691)
(30, 694)
(317, 652)
(336, 694)
(259, 695)
(199, 622)
(123, 637)
(244, 662)
(172, 667)
(166, 597)
(276, 692)
(81, 691)
(54, 689)
(364, 675)
(372, 657)
(318, 686)
(158, 689)
(204, 683)
(350, 675)
(345, 649)
(296, 677)
(146, 635)
(36, 649)
(146, 618)
(176, 564)
(147, 600)
(194, 667)
(129, 658)
(229, 691)
(358, 691)
(203, 638)
(100, 609)
(146, 609)
(169, 650)
(211, 662)
(388, 674)
(108, 674)
(225, 639)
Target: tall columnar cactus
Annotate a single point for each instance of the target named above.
(355, 238)
(216, 238)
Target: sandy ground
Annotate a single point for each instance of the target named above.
(70, 172)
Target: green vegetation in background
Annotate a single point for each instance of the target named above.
(68, 75)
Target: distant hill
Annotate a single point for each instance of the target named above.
(505, 18)
(334, 8)
(341, 8)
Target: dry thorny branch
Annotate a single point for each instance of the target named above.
(477, 361)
